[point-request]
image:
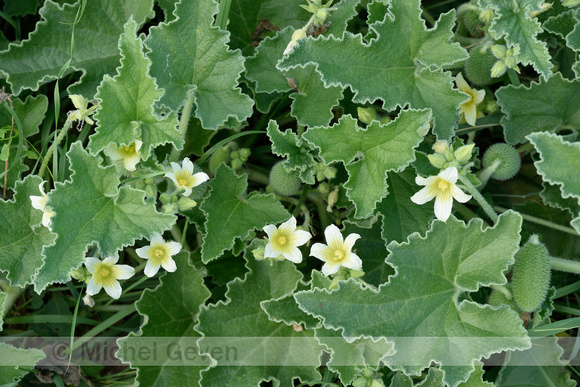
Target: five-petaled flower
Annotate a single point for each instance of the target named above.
(284, 241)
(159, 254)
(337, 252)
(184, 178)
(105, 274)
(128, 153)
(39, 202)
(441, 187)
(468, 110)
(82, 113)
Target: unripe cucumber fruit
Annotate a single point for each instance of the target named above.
(478, 66)
(220, 155)
(507, 157)
(283, 181)
(531, 275)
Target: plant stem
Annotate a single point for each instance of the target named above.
(477, 196)
(50, 150)
(183, 123)
(566, 265)
(543, 222)
(487, 172)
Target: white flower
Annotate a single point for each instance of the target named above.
(159, 254)
(183, 176)
(441, 187)
(82, 113)
(106, 275)
(284, 241)
(337, 252)
(39, 202)
(128, 153)
(468, 109)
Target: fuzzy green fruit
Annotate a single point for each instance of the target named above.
(504, 159)
(472, 23)
(478, 66)
(531, 275)
(283, 181)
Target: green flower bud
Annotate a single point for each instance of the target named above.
(437, 160)
(170, 208)
(323, 188)
(498, 69)
(486, 16)
(237, 163)
(81, 274)
(150, 190)
(245, 153)
(531, 275)
(463, 154)
(165, 198)
(440, 146)
(221, 155)
(366, 115)
(332, 199)
(479, 64)
(185, 204)
(499, 51)
(283, 181)
(259, 253)
(502, 160)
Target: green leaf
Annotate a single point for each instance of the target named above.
(368, 154)
(513, 22)
(103, 214)
(15, 362)
(3, 297)
(559, 162)
(476, 378)
(212, 72)
(408, 72)
(538, 366)
(230, 214)
(402, 217)
(31, 112)
(561, 24)
(95, 54)
(174, 320)
(22, 240)
(296, 150)
(313, 100)
(552, 195)
(267, 350)
(553, 105)
(21, 8)
(419, 310)
(126, 110)
(285, 309)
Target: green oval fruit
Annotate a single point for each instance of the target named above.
(478, 66)
(507, 159)
(472, 23)
(221, 155)
(531, 275)
(283, 181)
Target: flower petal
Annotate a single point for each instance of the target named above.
(170, 265)
(328, 269)
(270, 229)
(459, 195)
(38, 202)
(301, 237)
(176, 168)
(424, 181)
(187, 165)
(353, 261)
(112, 259)
(270, 251)
(124, 271)
(151, 269)
(350, 240)
(114, 290)
(288, 226)
(333, 235)
(157, 239)
(450, 175)
(93, 288)
(143, 252)
(462, 83)
(90, 263)
(423, 196)
(130, 162)
(199, 178)
(317, 251)
(173, 247)
(46, 218)
(294, 255)
(443, 206)
(470, 115)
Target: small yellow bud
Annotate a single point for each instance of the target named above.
(440, 146)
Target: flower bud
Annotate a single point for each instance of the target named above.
(486, 16)
(165, 198)
(150, 190)
(498, 69)
(499, 51)
(88, 301)
(463, 154)
(296, 36)
(366, 115)
(259, 253)
(170, 208)
(81, 274)
(237, 163)
(440, 146)
(437, 160)
(332, 199)
(185, 204)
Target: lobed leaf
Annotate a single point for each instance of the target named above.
(48, 47)
(231, 215)
(126, 111)
(190, 55)
(419, 310)
(368, 154)
(16, 362)
(102, 214)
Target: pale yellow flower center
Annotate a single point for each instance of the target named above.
(105, 272)
(338, 256)
(443, 185)
(129, 149)
(158, 253)
(282, 240)
(182, 182)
